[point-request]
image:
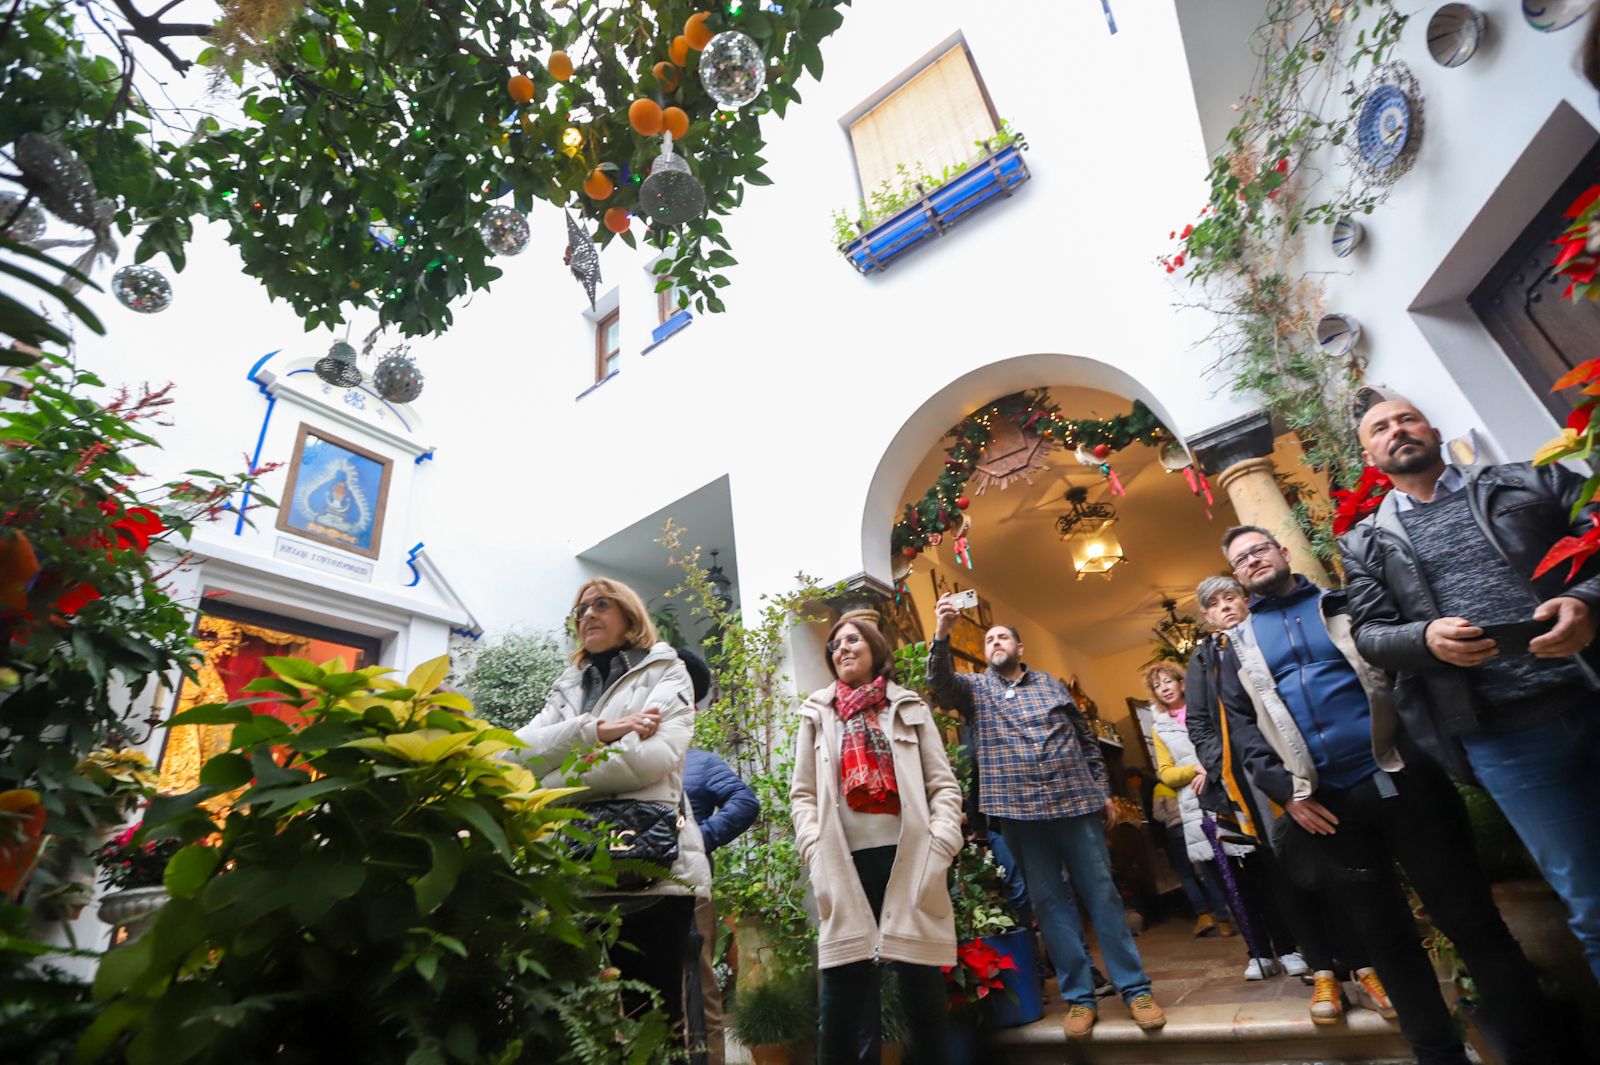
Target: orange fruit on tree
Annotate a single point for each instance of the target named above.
(666, 74)
(560, 66)
(645, 117)
(676, 121)
(597, 186)
(520, 86)
(696, 32)
(617, 220)
(678, 51)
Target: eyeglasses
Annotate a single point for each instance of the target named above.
(599, 603)
(852, 640)
(1261, 550)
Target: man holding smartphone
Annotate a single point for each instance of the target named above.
(1496, 672)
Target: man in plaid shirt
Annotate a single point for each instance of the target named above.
(1042, 782)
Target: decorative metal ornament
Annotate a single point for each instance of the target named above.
(397, 378)
(24, 225)
(1548, 16)
(338, 367)
(733, 69)
(1388, 124)
(1347, 235)
(504, 229)
(1338, 334)
(671, 195)
(142, 288)
(583, 259)
(1011, 452)
(58, 177)
(1084, 518)
(1181, 633)
(1454, 33)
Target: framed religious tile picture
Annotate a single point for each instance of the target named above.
(336, 493)
(966, 645)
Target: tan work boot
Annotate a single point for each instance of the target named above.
(1079, 1021)
(1372, 996)
(1226, 930)
(1204, 925)
(1146, 1014)
(1327, 998)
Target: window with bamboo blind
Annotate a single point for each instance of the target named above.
(932, 121)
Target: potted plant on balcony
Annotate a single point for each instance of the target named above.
(133, 868)
(776, 1019)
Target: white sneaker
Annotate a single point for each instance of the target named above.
(1294, 965)
(1260, 969)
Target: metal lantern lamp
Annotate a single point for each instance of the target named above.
(1179, 633)
(1084, 519)
(1099, 554)
(721, 584)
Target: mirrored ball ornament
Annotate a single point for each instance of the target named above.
(733, 69)
(142, 288)
(671, 194)
(504, 229)
(397, 379)
(23, 226)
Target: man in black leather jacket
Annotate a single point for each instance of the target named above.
(1449, 552)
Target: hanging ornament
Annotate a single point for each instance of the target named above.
(58, 177)
(582, 258)
(670, 195)
(505, 231)
(1091, 458)
(733, 69)
(1198, 485)
(935, 539)
(26, 224)
(962, 502)
(397, 378)
(338, 366)
(1012, 452)
(963, 550)
(142, 288)
(1102, 451)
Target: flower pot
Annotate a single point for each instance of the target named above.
(1021, 1002)
(892, 1054)
(771, 1054)
(133, 909)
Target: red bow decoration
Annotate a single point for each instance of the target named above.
(1353, 504)
(1576, 548)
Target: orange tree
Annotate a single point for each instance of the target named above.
(410, 117)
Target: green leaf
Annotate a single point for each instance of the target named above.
(272, 799)
(295, 670)
(320, 880)
(189, 870)
(227, 771)
(276, 686)
(433, 887)
(481, 820)
(212, 714)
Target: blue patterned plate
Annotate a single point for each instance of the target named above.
(1548, 16)
(1454, 33)
(1337, 334)
(1347, 234)
(1382, 126)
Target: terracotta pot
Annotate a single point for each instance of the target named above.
(133, 909)
(892, 1054)
(771, 1054)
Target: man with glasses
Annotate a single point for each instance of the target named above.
(1325, 748)
(1044, 786)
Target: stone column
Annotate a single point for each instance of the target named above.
(1238, 455)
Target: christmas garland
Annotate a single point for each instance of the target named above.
(1034, 413)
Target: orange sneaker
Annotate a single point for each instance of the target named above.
(1146, 1014)
(1372, 996)
(1079, 1021)
(1327, 998)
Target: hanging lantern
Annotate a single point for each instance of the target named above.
(26, 224)
(583, 259)
(338, 366)
(504, 229)
(397, 378)
(733, 69)
(671, 195)
(1097, 554)
(142, 288)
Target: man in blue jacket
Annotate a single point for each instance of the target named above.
(724, 806)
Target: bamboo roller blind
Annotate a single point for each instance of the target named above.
(934, 119)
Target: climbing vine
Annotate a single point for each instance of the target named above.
(1277, 177)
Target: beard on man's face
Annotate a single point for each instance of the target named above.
(1001, 659)
(1407, 454)
(1264, 582)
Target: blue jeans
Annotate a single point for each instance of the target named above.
(1209, 898)
(1012, 888)
(1043, 848)
(1542, 777)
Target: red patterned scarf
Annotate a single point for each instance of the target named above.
(866, 763)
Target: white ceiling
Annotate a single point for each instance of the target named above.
(1019, 557)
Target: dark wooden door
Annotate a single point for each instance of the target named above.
(1519, 301)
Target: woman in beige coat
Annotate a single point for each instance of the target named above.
(877, 819)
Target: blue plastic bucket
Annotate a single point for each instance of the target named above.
(1022, 1001)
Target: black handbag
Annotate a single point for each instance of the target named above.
(632, 829)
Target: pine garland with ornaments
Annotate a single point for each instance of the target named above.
(923, 523)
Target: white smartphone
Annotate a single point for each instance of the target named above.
(965, 600)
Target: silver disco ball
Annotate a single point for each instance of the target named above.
(142, 288)
(397, 378)
(338, 366)
(671, 194)
(25, 227)
(733, 69)
(505, 230)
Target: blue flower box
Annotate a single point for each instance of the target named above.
(992, 177)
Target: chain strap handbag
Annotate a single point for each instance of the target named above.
(635, 830)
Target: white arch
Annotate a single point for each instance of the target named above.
(953, 402)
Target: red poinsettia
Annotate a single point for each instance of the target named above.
(1577, 258)
(1353, 504)
(1576, 549)
(976, 972)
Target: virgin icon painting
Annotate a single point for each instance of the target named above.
(336, 493)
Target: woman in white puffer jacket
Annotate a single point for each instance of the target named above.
(629, 693)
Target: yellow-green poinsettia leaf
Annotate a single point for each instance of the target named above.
(445, 745)
(1563, 445)
(451, 701)
(490, 748)
(428, 676)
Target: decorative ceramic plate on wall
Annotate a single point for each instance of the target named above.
(1347, 233)
(1337, 334)
(1454, 33)
(1388, 124)
(1548, 16)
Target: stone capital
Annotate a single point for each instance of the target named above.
(1246, 437)
(1263, 466)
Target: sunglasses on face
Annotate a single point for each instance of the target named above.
(1261, 550)
(599, 603)
(852, 640)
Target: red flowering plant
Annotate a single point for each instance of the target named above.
(130, 861)
(1579, 258)
(976, 973)
(1350, 505)
(1575, 441)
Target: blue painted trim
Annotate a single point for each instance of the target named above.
(469, 634)
(596, 385)
(424, 457)
(411, 561)
(667, 329)
(261, 437)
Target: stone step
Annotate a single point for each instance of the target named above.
(1281, 1033)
